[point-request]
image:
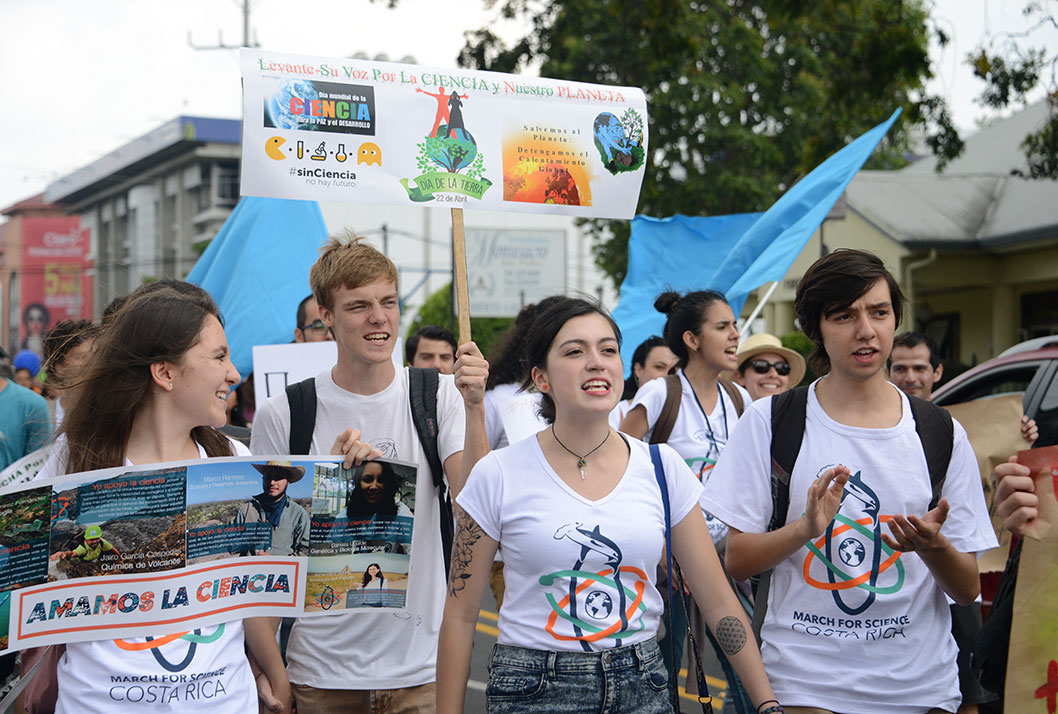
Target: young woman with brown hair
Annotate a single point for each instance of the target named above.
(579, 515)
(155, 392)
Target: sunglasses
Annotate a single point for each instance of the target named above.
(315, 326)
(762, 366)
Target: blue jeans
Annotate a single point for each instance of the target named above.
(623, 679)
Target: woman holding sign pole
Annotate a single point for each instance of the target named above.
(155, 392)
(579, 513)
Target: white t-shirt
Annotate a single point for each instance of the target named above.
(697, 438)
(372, 649)
(555, 542)
(618, 413)
(508, 408)
(205, 670)
(886, 646)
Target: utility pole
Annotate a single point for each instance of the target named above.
(220, 34)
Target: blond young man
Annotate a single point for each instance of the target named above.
(380, 658)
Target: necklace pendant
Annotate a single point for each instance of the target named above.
(582, 464)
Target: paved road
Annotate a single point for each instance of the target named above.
(487, 633)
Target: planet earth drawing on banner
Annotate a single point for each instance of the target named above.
(619, 141)
(453, 149)
(279, 105)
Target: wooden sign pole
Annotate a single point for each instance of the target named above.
(459, 275)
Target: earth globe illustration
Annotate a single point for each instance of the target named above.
(453, 150)
(279, 104)
(599, 605)
(851, 552)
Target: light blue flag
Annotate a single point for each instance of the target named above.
(768, 249)
(679, 253)
(732, 254)
(257, 270)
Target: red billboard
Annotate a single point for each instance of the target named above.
(54, 283)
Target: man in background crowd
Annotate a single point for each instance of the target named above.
(432, 346)
(310, 327)
(25, 423)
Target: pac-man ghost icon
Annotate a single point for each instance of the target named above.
(369, 153)
(272, 148)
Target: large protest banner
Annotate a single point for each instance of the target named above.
(165, 548)
(334, 129)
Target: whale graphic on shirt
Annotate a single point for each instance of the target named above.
(855, 553)
(591, 541)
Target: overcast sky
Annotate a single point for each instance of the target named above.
(81, 78)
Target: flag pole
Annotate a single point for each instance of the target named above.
(459, 275)
(756, 310)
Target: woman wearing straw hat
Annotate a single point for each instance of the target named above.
(766, 368)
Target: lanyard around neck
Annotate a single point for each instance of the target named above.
(708, 424)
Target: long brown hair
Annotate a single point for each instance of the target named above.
(156, 325)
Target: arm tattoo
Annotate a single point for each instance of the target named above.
(468, 532)
(731, 635)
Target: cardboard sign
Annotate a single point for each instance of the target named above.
(1032, 663)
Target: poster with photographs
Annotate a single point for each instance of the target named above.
(360, 542)
(155, 550)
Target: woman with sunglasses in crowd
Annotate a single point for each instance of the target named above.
(578, 514)
(155, 392)
(766, 368)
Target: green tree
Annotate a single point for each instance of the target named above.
(799, 343)
(745, 96)
(437, 310)
(1011, 68)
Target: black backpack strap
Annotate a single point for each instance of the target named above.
(422, 391)
(937, 434)
(301, 397)
(788, 413)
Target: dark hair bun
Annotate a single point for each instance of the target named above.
(665, 302)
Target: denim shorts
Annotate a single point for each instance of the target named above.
(620, 680)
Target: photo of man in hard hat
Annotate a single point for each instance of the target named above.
(94, 546)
